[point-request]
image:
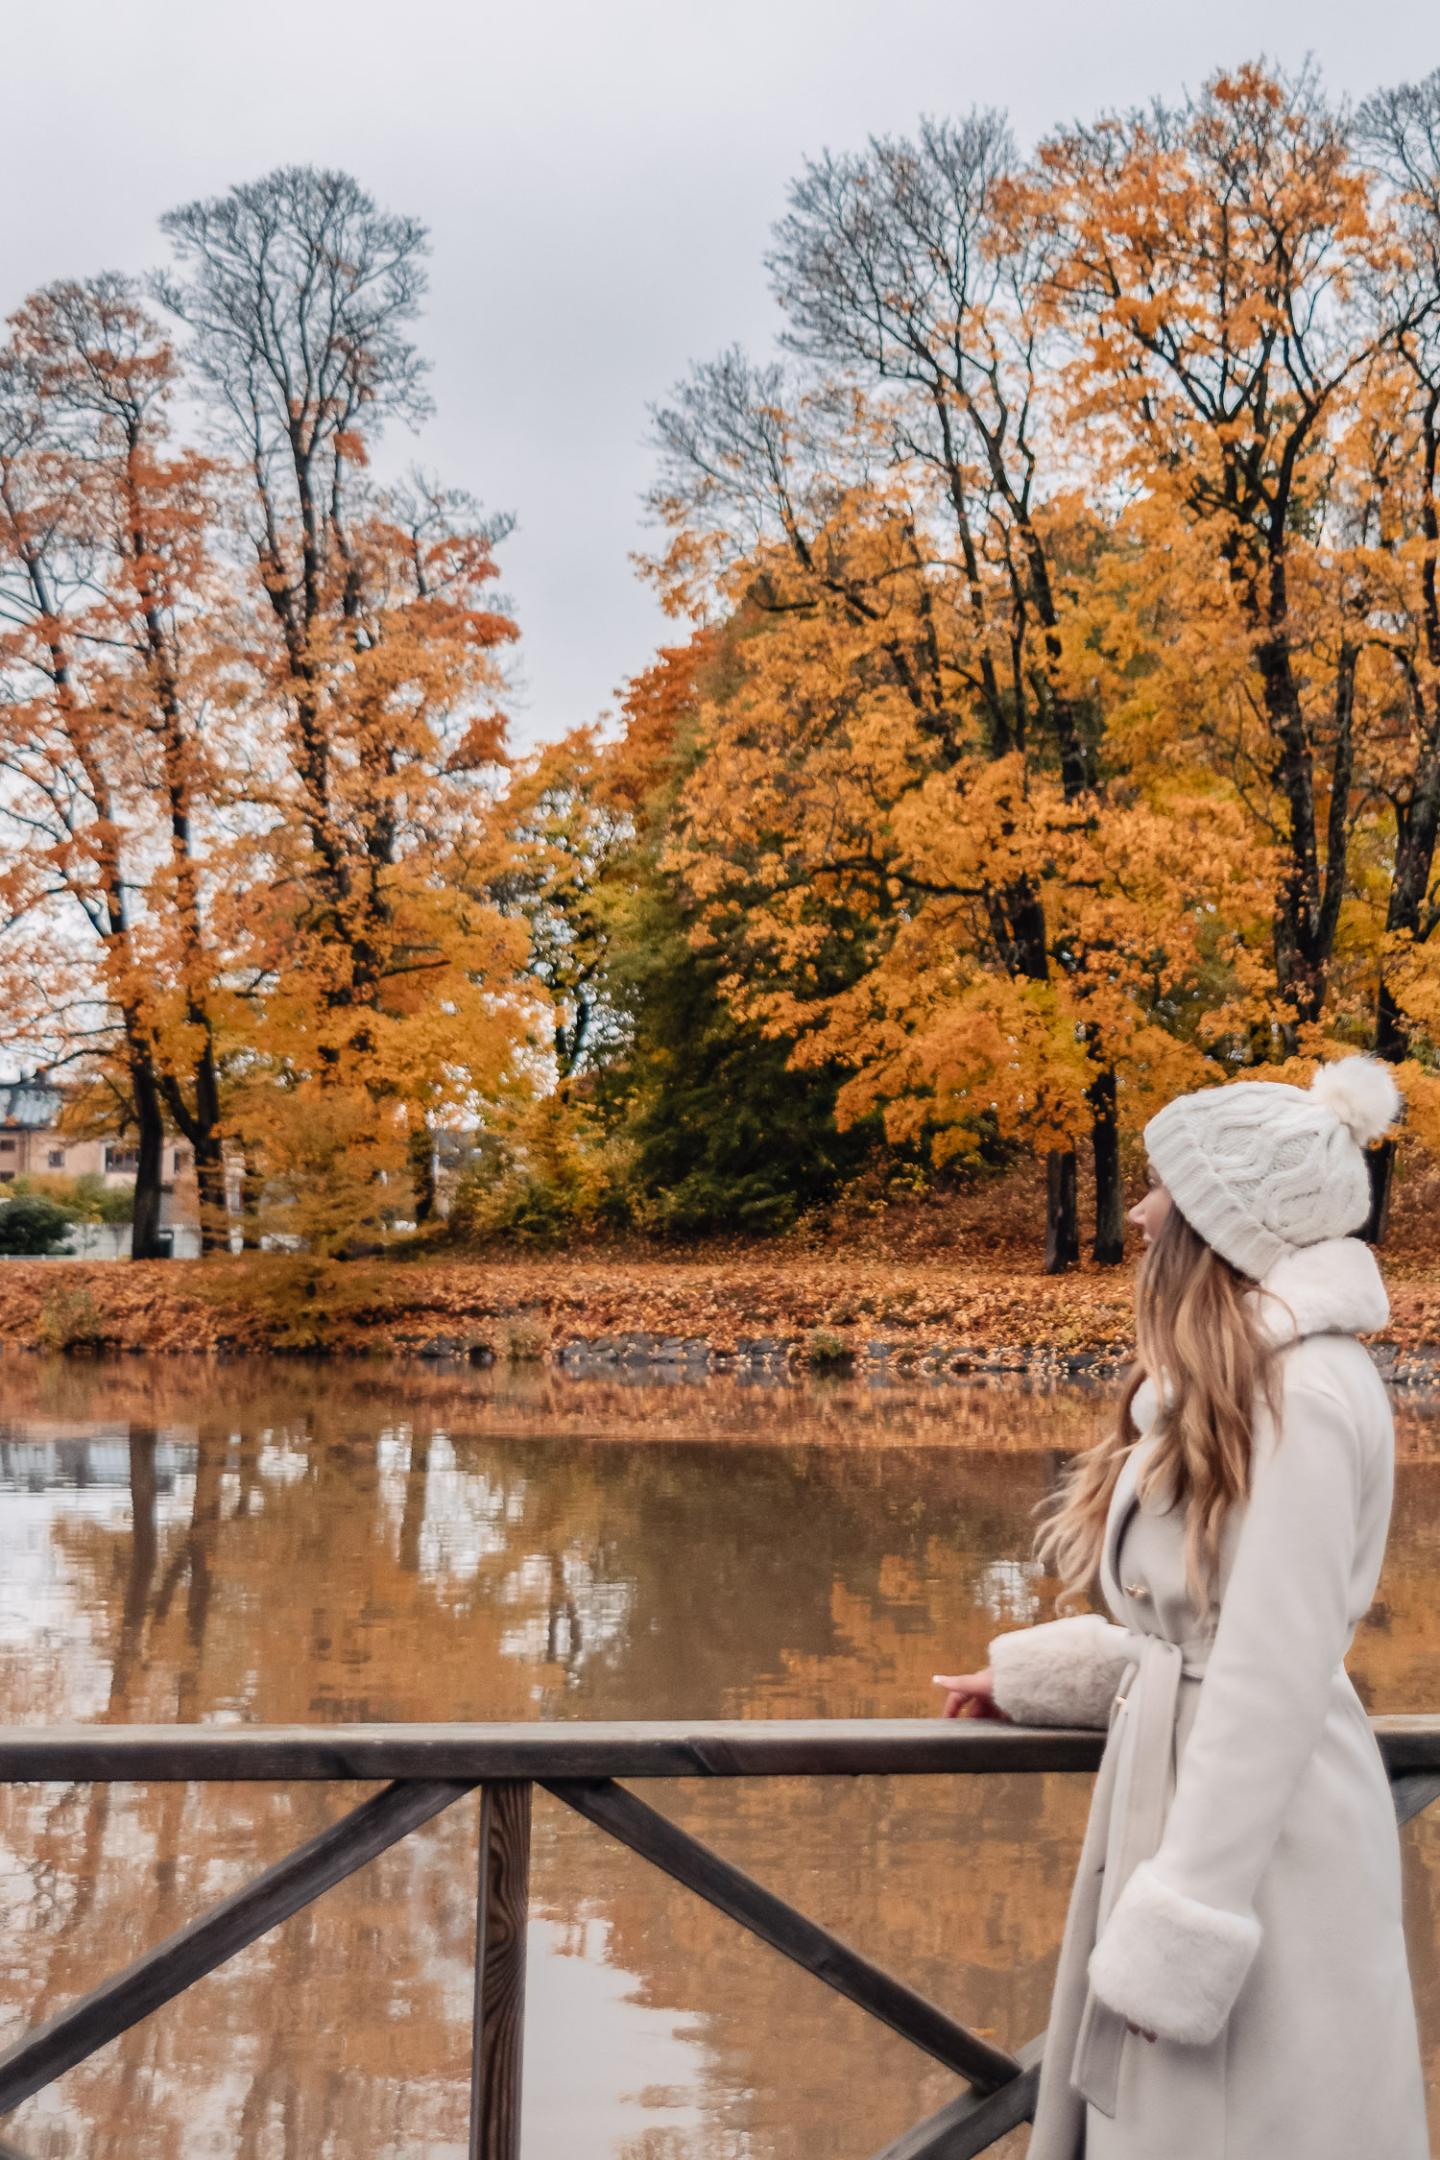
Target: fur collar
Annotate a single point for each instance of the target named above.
(1332, 1287)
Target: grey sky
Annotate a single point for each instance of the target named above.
(599, 177)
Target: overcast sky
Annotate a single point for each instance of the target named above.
(599, 177)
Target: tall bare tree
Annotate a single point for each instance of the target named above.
(299, 294)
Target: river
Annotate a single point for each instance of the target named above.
(281, 1542)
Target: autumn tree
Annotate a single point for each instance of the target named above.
(106, 373)
(894, 266)
(849, 889)
(1398, 135)
(667, 1108)
(1220, 273)
(548, 1167)
(105, 566)
(916, 754)
(380, 975)
(567, 831)
(728, 1128)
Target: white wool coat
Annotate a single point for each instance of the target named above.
(1238, 1891)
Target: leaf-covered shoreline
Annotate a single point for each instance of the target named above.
(820, 1310)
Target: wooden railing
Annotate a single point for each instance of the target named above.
(430, 1766)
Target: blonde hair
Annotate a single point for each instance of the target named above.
(1195, 1325)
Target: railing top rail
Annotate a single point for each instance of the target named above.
(741, 1747)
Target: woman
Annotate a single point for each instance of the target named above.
(1233, 1981)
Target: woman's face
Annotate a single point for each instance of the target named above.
(1151, 1208)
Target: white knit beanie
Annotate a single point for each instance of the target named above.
(1260, 1168)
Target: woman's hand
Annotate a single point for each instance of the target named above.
(970, 1694)
(1142, 2031)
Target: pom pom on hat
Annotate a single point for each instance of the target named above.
(1360, 1092)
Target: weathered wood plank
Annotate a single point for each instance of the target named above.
(502, 1916)
(40, 2056)
(665, 1845)
(742, 1747)
(975, 2121)
(1413, 1792)
(479, 1753)
(1408, 1743)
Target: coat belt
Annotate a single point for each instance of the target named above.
(1140, 1784)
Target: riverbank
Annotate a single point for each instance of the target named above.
(596, 1311)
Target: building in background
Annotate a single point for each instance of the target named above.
(34, 1145)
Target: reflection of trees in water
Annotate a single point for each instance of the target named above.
(546, 1402)
(325, 1560)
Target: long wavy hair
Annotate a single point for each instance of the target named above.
(1195, 1325)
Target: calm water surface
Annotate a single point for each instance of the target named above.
(286, 1543)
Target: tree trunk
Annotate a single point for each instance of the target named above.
(149, 1161)
(209, 1151)
(422, 1172)
(1392, 1042)
(1062, 1216)
(250, 1198)
(1380, 1162)
(1304, 928)
(210, 1183)
(1109, 1242)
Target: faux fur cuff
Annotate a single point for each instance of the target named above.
(1064, 1672)
(1169, 1963)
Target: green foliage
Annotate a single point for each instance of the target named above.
(97, 1202)
(723, 1135)
(553, 1170)
(34, 1224)
(87, 1198)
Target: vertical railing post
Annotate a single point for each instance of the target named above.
(502, 1912)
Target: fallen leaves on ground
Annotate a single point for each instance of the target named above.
(524, 1307)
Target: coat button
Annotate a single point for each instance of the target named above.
(1136, 1589)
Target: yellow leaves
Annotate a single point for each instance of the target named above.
(853, 836)
(556, 1164)
(266, 805)
(334, 1165)
(1421, 1089)
(1413, 972)
(988, 1052)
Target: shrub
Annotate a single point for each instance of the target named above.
(297, 1301)
(69, 1324)
(88, 1198)
(31, 1223)
(552, 1173)
(525, 1345)
(825, 1352)
(95, 1201)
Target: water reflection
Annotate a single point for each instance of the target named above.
(286, 1543)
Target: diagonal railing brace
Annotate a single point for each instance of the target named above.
(666, 1846)
(185, 1957)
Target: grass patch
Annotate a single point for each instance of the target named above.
(828, 1352)
(69, 1324)
(525, 1344)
